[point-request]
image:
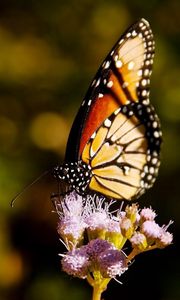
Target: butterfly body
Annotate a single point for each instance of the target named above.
(114, 144)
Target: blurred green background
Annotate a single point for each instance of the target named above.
(49, 52)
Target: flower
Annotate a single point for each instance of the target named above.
(71, 228)
(94, 236)
(76, 262)
(138, 240)
(147, 214)
(126, 226)
(97, 221)
(132, 212)
(151, 229)
(165, 237)
(96, 247)
(71, 224)
(112, 263)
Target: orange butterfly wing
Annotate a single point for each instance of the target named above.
(116, 131)
(123, 77)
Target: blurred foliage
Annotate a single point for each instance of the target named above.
(48, 55)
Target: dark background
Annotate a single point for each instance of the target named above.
(49, 52)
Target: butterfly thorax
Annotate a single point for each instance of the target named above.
(76, 174)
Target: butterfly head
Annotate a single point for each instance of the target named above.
(76, 174)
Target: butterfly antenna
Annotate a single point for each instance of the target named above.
(27, 187)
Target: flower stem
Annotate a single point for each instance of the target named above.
(97, 291)
(90, 280)
(133, 253)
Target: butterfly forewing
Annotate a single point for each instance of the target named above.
(123, 77)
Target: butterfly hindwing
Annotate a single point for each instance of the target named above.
(123, 161)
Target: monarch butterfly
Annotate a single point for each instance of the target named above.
(114, 144)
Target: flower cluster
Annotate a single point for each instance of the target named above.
(94, 236)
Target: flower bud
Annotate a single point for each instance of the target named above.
(131, 212)
(126, 227)
(138, 240)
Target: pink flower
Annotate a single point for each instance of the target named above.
(151, 229)
(147, 214)
(97, 220)
(76, 262)
(111, 263)
(113, 226)
(97, 246)
(71, 227)
(165, 237)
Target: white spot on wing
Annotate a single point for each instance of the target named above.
(144, 82)
(107, 64)
(117, 111)
(121, 41)
(144, 93)
(125, 84)
(107, 123)
(146, 72)
(128, 34)
(110, 84)
(134, 33)
(131, 65)
(93, 135)
(118, 63)
(139, 73)
(100, 95)
(97, 83)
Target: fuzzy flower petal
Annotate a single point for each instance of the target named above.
(112, 263)
(165, 239)
(72, 205)
(151, 229)
(113, 226)
(97, 246)
(147, 214)
(97, 220)
(76, 263)
(71, 227)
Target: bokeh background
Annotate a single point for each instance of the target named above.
(49, 52)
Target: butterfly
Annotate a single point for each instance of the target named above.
(114, 143)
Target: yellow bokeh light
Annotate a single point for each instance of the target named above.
(11, 268)
(49, 131)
